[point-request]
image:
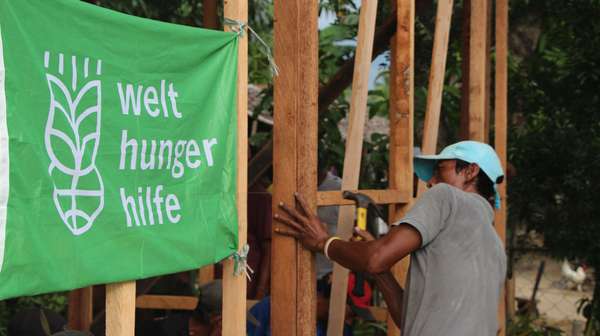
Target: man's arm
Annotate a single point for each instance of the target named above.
(374, 257)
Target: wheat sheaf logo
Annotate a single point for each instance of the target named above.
(72, 137)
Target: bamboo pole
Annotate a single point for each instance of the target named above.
(500, 124)
(477, 69)
(234, 287)
(120, 309)
(352, 157)
(401, 126)
(437, 74)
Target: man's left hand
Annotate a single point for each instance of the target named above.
(303, 225)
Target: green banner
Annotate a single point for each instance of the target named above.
(117, 146)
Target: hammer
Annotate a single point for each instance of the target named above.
(362, 204)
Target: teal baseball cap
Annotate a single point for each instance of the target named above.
(469, 151)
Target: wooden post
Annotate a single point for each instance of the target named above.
(234, 287)
(293, 277)
(210, 17)
(500, 141)
(477, 69)
(80, 308)
(120, 309)
(306, 149)
(463, 132)
(401, 125)
(436, 80)
(205, 275)
(352, 157)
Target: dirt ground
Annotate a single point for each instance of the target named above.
(557, 299)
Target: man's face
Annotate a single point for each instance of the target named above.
(444, 171)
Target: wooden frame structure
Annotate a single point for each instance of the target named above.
(295, 109)
(293, 288)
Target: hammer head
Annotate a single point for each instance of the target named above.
(362, 200)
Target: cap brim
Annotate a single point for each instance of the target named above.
(424, 164)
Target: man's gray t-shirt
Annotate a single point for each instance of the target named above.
(455, 277)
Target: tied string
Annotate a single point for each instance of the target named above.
(240, 263)
(240, 27)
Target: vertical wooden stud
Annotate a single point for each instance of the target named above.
(352, 156)
(477, 69)
(80, 308)
(401, 125)
(436, 80)
(306, 149)
(500, 124)
(234, 287)
(120, 309)
(293, 277)
(210, 17)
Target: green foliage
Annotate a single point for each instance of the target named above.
(526, 325)
(556, 136)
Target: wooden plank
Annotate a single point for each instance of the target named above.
(120, 309)
(463, 132)
(80, 309)
(234, 287)
(176, 302)
(500, 140)
(285, 97)
(205, 275)
(386, 196)
(437, 74)
(352, 157)
(306, 154)
(477, 69)
(210, 15)
(401, 126)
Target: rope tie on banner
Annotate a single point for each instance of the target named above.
(240, 263)
(240, 27)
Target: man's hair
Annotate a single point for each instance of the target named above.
(485, 186)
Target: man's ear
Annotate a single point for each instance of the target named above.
(472, 171)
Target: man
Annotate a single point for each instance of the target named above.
(458, 263)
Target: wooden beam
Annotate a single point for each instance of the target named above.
(176, 302)
(210, 16)
(477, 69)
(352, 157)
(306, 151)
(401, 126)
(205, 275)
(500, 131)
(463, 132)
(284, 262)
(234, 287)
(437, 73)
(120, 309)
(388, 196)
(293, 276)
(80, 308)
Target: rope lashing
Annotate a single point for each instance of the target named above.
(240, 27)
(240, 263)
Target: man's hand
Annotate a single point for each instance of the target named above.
(304, 225)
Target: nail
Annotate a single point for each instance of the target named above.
(296, 193)
(280, 203)
(276, 215)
